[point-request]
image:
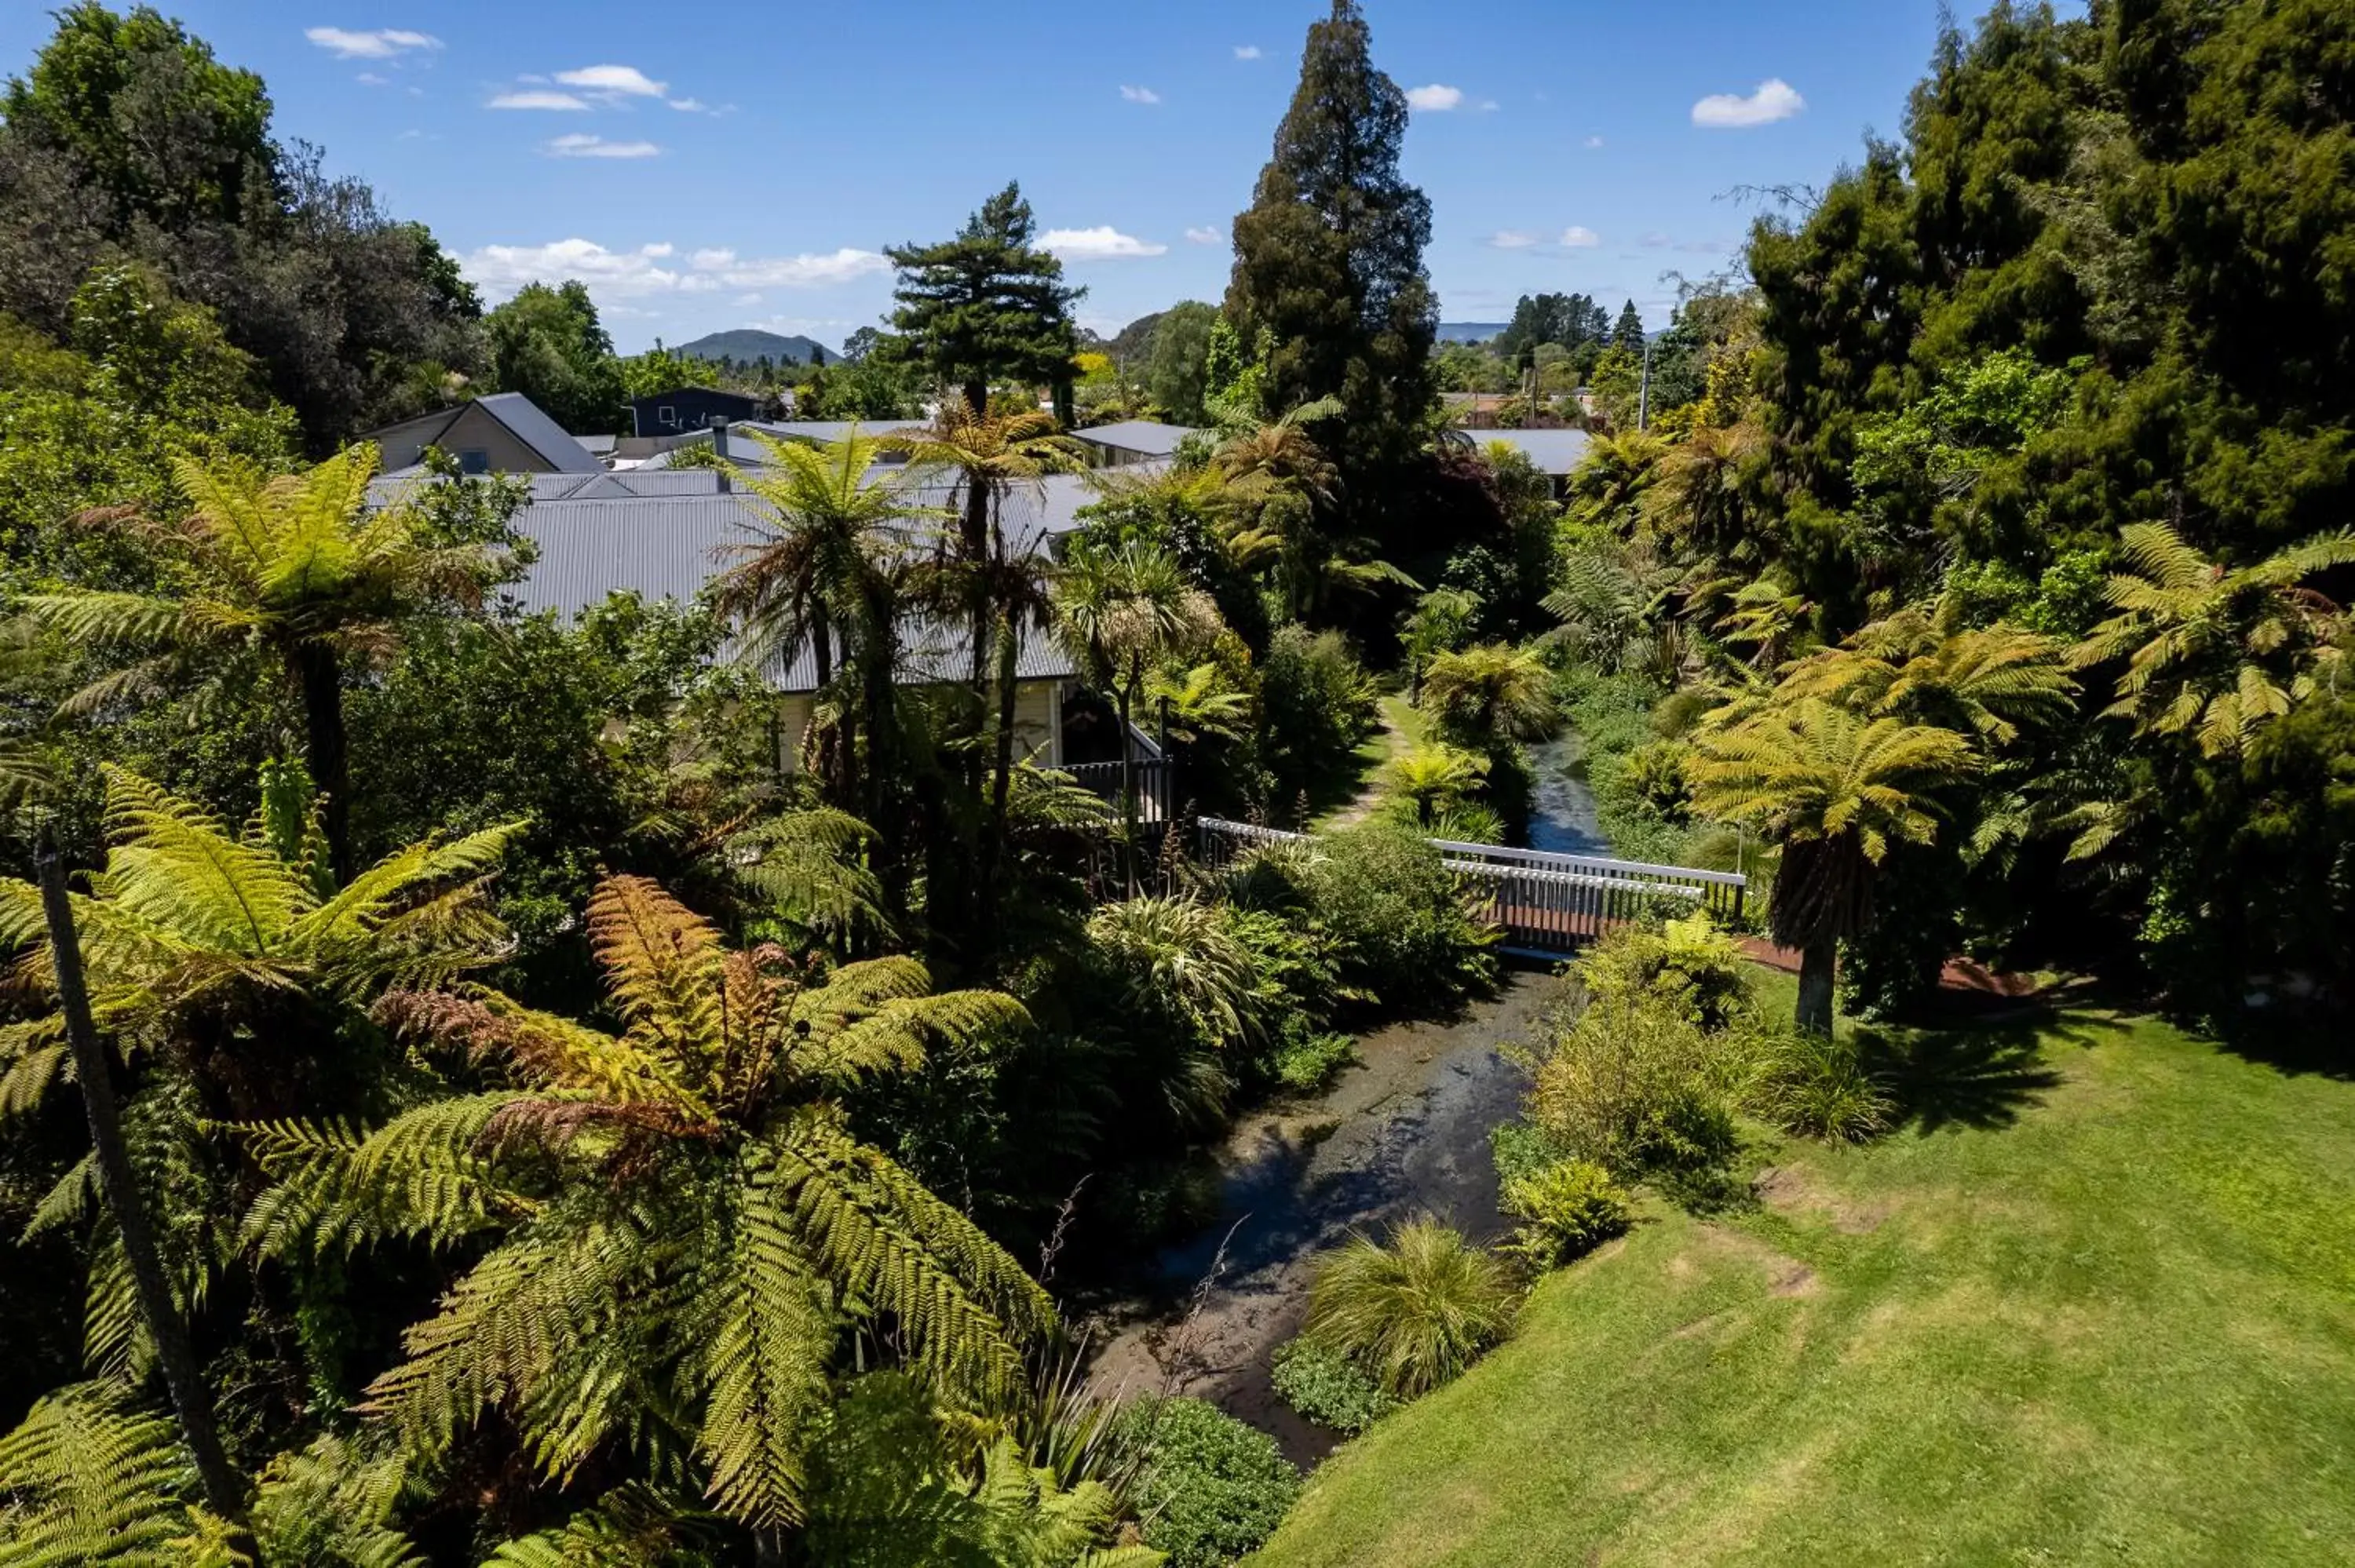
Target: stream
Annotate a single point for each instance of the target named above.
(1401, 1133)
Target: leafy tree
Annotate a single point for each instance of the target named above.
(548, 344)
(1179, 373)
(295, 566)
(1329, 258)
(987, 306)
(681, 1222)
(127, 141)
(1835, 790)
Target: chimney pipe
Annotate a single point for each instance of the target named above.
(719, 438)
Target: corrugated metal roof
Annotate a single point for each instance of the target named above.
(670, 549)
(1146, 436)
(524, 422)
(934, 654)
(1555, 453)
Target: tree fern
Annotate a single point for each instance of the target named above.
(85, 1481)
(684, 1223)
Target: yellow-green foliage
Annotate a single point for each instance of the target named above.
(685, 1221)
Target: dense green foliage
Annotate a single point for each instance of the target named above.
(1211, 1489)
(1412, 1311)
(1328, 1387)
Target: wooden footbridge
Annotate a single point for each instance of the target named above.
(1546, 903)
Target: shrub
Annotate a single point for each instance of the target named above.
(1302, 1065)
(1414, 1313)
(1209, 1488)
(1397, 920)
(1567, 1209)
(1316, 705)
(1328, 1388)
(1180, 953)
(1656, 773)
(1637, 1086)
(1817, 1087)
(1689, 961)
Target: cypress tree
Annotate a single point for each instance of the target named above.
(986, 306)
(1328, 260)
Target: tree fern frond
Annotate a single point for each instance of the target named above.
(425, 1174)
(548, 1050)
(765, 1364)
(634, 1526)
(175, 865)
(664, 964)
(83, 1481)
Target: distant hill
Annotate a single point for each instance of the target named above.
(747, 345)
(1470, 332)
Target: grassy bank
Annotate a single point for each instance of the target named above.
(2094, 1303)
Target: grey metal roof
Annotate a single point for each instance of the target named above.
(1149, 437)
(934, 654)
(598, 446)
(1554, 452)
(671, 547)
(524, 422)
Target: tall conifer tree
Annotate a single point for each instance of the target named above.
(1328, 260)
(1629, 333)
(987, 305)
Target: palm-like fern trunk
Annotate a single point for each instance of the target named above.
(1817, 965)
(322, 677)
(118, 1184)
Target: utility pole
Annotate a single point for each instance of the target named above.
(1643, 388)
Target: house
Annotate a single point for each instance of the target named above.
(1553, 452)
(666, 533)
(688, 408)
(1131, 441)
(503, 433)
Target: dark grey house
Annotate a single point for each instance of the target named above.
(688, 408)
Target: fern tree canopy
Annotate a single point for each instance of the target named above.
(682, 1224)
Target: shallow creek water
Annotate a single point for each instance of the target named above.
(1403, 1132)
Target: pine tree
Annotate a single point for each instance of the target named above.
(1629, 333)
(986, 306)
(1328, 260)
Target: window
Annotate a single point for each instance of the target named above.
(473, 459)
(667, 416)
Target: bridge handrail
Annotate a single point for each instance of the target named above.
(1546, 864)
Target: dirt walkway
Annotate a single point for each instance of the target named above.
(1406, 1132)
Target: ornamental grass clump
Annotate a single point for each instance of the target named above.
(1414, 1313)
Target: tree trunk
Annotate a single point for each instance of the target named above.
(322, 674)
(1816, 962)
(830, 744)
(974, 542)
(992, 858)
(224, 1492)
(1128, 783)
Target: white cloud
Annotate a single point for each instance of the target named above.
(1594, 142)
(687, 105)
(369, 79)
(1203, 234)
(1774, 99)
(747, 299)
(786, 271)
(1488, 106)
(1578, 237)
(1103, 243)
(651, 269)
(628, 81)
(1246, 51)
(538, 99)
(381, 44)
(1512, 240)
(1139, 94)
(578, 145)
(1434, 99)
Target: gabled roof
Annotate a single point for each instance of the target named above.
(1149, 437)
(526, 422)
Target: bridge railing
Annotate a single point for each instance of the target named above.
(1544, 902)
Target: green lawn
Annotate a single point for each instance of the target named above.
(2095, 1304)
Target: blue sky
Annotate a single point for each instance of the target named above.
(709, 167)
